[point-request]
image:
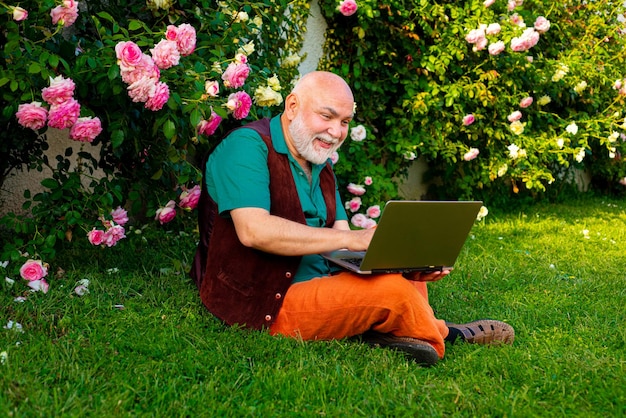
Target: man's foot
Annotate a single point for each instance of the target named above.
(420, 351)
(483, 331)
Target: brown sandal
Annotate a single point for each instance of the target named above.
(485, 331)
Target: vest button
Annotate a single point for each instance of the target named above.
(278, 296)
(268, 317)
(288, 275)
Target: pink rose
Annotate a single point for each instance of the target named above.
(32, 115)
(356, 189)
(186, 39)
(542, 24)
(95, 236)
(354, 204)
(368, 181)
(369, 223)
(166, 213)
(120, 216)
(468, 119)
(334, 158)
(623, 181)
(189, 198)
(158, 97)
(347, 7)
(60, 90)
(373, 211)
(19, 14)
(493, 29)
(212, 88)
(86, 129)
(208, 127)
(475, 35)
(165, 54)
(33, 270)
(496, 48)
(359, 220)
(529, 38)
(66, 14)
(471, 154)
(39, 285)
(239, 104)
(145, 68)
(235, 75)
(128, 54)
(488, 3)
(525, 102)
(64, 115)
(113, 235)
(517, 115)
(142, 89)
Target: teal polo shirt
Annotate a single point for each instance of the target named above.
(237, 177)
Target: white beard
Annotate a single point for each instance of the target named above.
(303, 141)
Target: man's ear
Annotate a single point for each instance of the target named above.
(291, 106)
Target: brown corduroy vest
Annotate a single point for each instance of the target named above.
(241, 285)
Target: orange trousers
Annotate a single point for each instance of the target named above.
(347, 304)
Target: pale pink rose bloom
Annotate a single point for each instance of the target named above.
(113, 235)
(81, 290)
(481, 44)
(525, 102)
(128, 54)
(142, 89)
(158, 97)
(488, 3)
(208, 127)
(617, 85)
(65, 14)
(171, 33)
(32, 115)
(354, 204)
(542, 24)
(496, 48)
(373, 211)
(95, 236)
(471, 154)
(241, 58)
(517, 115)
(185, 38)
(358, 220)
(64, 115)
(165, 54)
(347, 7)
(239, 104)
(369, 223)
(529, 38)
(145, 68)
(86, 129)
(120, 216)
(19, 14)
(468, 119)
(39, 285)
(60, 90)
(623, 181)
(166, 213)
(189, 198)
(493, 29)
(475, 35)
(212, 88)
(511, 5)
(517, 20)
(358, 133)
(368, 181)
(235, 75)
(356, 189)
(33, 270)
(334, 158)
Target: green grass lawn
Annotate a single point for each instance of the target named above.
(141, 343)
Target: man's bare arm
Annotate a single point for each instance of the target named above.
(258, 229)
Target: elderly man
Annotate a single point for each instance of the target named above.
(271, 206)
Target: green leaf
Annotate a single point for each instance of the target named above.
(34, 68)
(49, 183)
(117, 138)
(169, 129)
(157, 175)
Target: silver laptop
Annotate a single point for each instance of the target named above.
(413, 236)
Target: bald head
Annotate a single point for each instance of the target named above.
(323, 82)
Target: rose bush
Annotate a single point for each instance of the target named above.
(145, 88)
(483, 92)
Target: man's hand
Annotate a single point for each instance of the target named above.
(423, 276)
